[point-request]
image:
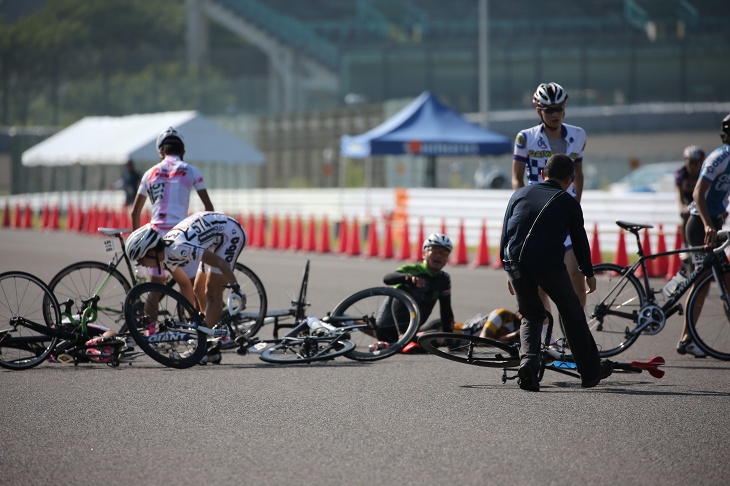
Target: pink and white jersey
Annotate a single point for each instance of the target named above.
(207, 230)
(168, 186)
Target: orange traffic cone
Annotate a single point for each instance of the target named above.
(261, 231)
(18, 217)
(286, 241)
(482, 256)
(324, 241)
(596, 256)
(354, 243)
(497, 258)
(298, 236)
(661, 264)
(54, 224)
(646, 247)
(443, 226)
(251, 230)
(6, 216)
(372, 250)
(621, 258)
(28, 217)
(342, 237)
(675, 262)
(45, 216)
(274, 241)
(418, 244)
(461, 257)
(405, 246)
(311, 243)
(388, 243)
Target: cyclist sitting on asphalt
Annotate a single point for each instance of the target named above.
(427, 283)
(212, 239)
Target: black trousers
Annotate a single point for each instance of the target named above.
(558, 287)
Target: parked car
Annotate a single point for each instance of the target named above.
(648, 178)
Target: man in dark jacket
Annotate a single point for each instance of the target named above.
(532, 249)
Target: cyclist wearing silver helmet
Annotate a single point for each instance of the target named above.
(427, 283)
(168, 185)
(533, 148)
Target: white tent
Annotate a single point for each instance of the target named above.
(103, 140)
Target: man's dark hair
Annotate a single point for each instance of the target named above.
(172, 146)
(559, 167)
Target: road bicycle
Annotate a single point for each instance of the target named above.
(490, 353)
(103, 287)
(625, 306)
(178, 336)
(372, 307)
(34, 328)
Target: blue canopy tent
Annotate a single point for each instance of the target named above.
(426, 127)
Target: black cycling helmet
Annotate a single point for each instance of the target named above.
(725, 135)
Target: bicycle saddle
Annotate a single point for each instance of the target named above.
(633, 227)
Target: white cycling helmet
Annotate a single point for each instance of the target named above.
(142, 240)
(169, 133)
(437, 239)
(549, 94)
(694, 152)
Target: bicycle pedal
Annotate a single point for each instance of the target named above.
(64, 358)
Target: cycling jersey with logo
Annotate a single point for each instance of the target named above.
(532, 148)
(209, 230)
(168, 185)
(716, 169)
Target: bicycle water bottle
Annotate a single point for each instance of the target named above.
(317, 326)
(672, 285)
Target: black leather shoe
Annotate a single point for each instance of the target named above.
(527, 379)
(604, 371)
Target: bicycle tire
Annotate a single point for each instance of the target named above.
(249, 322)
(175, 341)
(365, 306)
(712, 332)
(82, 280)
(469, 349)
(25, 296)
(306, 350)
(615, 293)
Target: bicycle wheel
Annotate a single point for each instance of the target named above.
(248, 322)
(25, 300)
(84, 281)
(391, 317)
(170, 338)
(306, 350)
(613, 309)
(468, 349)
(708, 320)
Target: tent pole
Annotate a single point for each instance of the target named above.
(431, 171)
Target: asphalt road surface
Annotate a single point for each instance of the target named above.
(408, 419)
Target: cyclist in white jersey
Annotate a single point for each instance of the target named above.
(707, 213)
(168, 186)
(535, 145)
(211, 240)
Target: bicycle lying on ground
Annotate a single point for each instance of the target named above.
(373, 305)
(490, 353)
(34, 328)
(625, 306)
(178, 337)
(102, 287)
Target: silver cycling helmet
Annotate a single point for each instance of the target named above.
(549, 94)
(142, 240)
(694, 152)
(437, 239)
(169, 133)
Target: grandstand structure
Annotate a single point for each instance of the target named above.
(604, 52)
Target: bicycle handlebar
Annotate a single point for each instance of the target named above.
(723, 234)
